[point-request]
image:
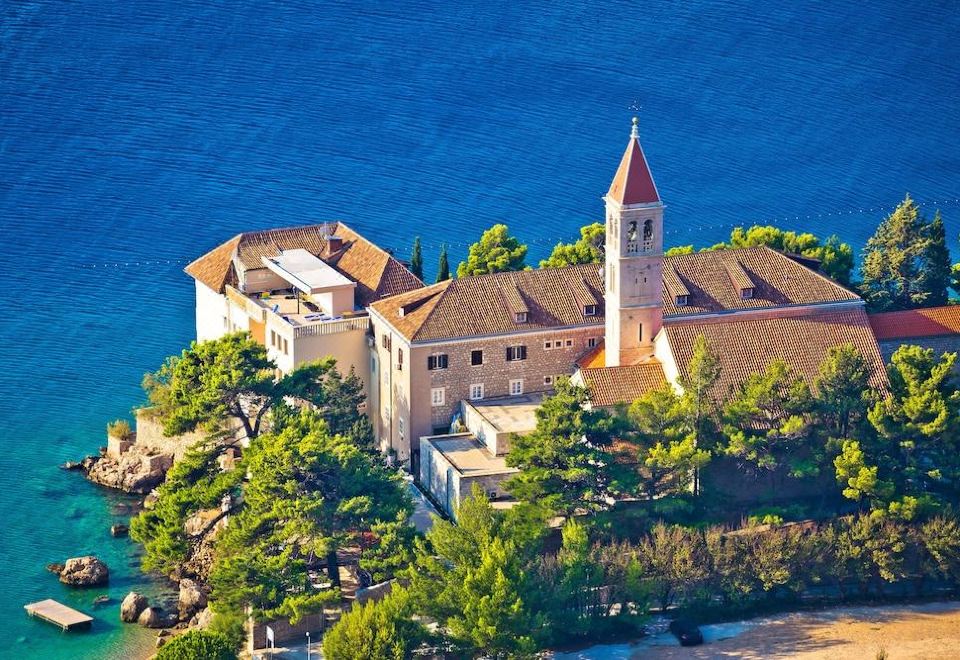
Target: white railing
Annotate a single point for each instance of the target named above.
(331, 327)
(252, 309)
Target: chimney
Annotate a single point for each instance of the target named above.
(334, 244)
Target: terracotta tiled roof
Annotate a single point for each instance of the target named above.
(931, 322)
(477, 306)
(746, 347)
(595, 357)
(376, 273)
(714, 281)
(633, 184)
(213, 268)
(613, 385)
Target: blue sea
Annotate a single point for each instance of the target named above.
(136, 135)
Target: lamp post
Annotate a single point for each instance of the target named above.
(308, 646)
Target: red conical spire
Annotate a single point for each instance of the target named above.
(633, 183)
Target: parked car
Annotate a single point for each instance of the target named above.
(686, 632)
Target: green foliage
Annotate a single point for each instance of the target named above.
(843, 392)
(495, 252)
(443, 267)
(392, 551)
(194, 484)
(120, 428)
(913, 460)
(197, 645)
(835, 257)
(416, 259)
(767, 422)
(308, 492)
(564, 462)
(588, 249)
(906, 262)
(674, 562)
(377, 630)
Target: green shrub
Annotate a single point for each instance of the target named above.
(379, 630)
(120, 428)
(197, 645)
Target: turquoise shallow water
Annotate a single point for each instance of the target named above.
(135, 133)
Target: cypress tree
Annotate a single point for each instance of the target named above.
(416, 259)
(443, 270)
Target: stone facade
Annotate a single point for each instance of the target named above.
(940, 345)
(407, 408)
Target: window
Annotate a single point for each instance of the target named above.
(547, 345)
(632, 231)
(746, 293)
(569, 343)
(437, 396)
(590, 310)
(647, 229)
(515, 353)
(286, 350)
(400, 426)
(385, 341)
(640, 332)
(516, 387)
(438, 361)
(226, 323)
(399, 359)
(476, 391)
(273, 338)
(520, 317)
(548, 380)
(476, 358)
(682, 301)
(591, 342)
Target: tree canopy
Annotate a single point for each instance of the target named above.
(835, 257)
(443, 267)
(588, 249)
(906, 263)
(564, 463)
(495, 252)
(197, 644)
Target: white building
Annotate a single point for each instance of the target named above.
(302, 292)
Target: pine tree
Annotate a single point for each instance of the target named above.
(588, 249)
(443, 269)
(416, 259)
(906, 263)
(564, 463)
(496, 251)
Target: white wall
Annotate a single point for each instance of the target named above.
(212, 316)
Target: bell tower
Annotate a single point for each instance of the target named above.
(633, 269)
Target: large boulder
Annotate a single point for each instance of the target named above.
(202, 619)
(192, 599)
(152, 617)
(132, 606)
(84, 572)
(134, 472)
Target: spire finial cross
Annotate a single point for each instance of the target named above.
(635, 130)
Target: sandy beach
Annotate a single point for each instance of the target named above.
(906, 632)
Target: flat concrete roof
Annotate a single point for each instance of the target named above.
(306, 272)
(510, 414)
(469, 456)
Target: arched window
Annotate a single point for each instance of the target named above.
(632, 231)
(647, 229)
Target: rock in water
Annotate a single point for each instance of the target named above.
(151, 617)
(102, 599)
(119, 530)
(84, 572)
(131, 607)
(192, 599)
(56, 569)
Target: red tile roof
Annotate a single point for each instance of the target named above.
(375, 271)
(713, 282)
(595, 357)
(612, 385)
(633, 184)
(931, 322)
(486, 305)
(745, 347)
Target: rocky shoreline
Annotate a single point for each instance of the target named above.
(137, 463)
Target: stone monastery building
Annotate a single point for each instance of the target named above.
(483, 350)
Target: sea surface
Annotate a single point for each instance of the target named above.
(136, 135)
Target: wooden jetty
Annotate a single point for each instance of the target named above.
(59, 614)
